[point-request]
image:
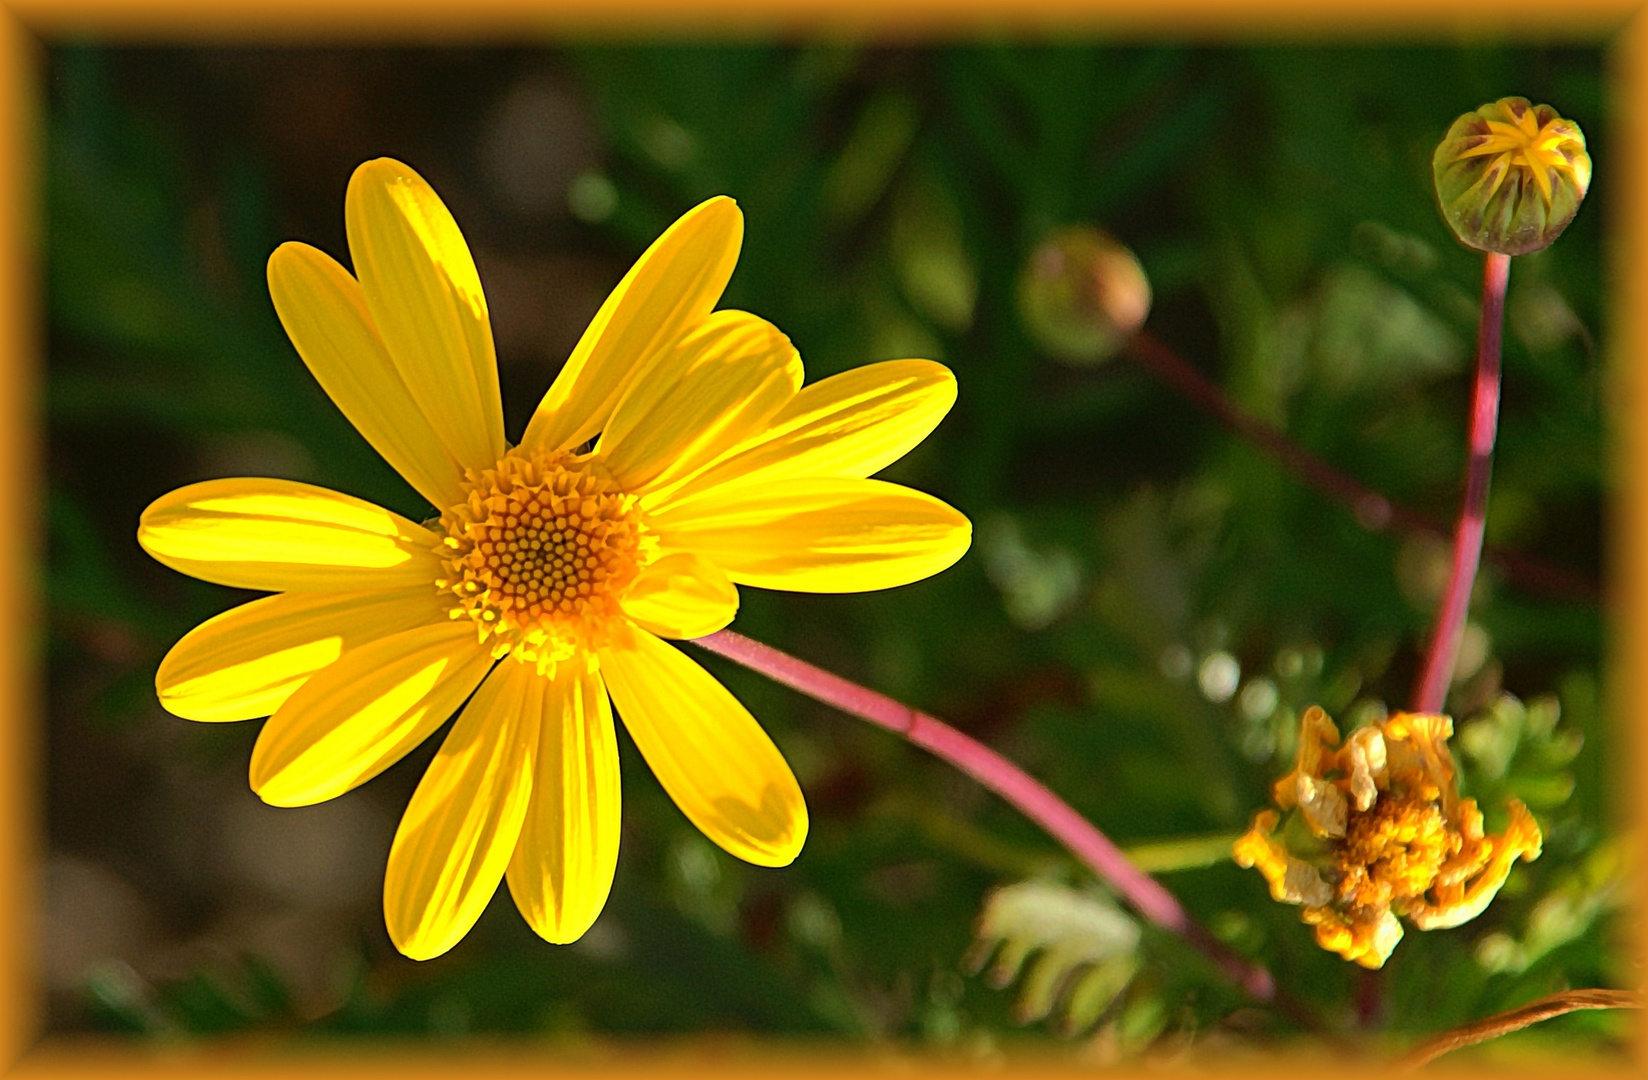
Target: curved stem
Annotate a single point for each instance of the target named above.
(1006, 779)
(1431, 690)
(1515, 1020)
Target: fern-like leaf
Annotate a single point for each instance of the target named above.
(1088, 951)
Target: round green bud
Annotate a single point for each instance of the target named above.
(1082, 295)
(1510, 176)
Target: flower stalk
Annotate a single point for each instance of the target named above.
(1373, 510)
(1032, 798)
(1437, 674)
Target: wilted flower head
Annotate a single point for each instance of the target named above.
(1399, 839)
(1083, 294)
(1511, 175)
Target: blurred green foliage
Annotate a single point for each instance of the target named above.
(1149, 606)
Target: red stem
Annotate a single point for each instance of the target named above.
(1373, 511)
(1009, 781)
(1431, 691)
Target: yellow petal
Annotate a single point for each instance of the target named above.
(1420, 741)
(326, 317)
(282, 535)
(707, 751)
(681, 596)
(562, 868)
(1460, 903)
(1291, 880)
(359, 716)
(849, 425)
(247, 661)
(463, 822)
(668, 291)
(718, 385)
(1318, 738)
(425, 298)
(818, 535)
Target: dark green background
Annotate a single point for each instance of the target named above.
(1279, 199)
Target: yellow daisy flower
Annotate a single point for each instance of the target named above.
(675, 456)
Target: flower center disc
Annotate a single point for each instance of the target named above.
(538, 555)
(1394, 851)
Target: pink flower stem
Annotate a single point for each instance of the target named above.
(1431, 690)
(1372, 510)
(1009, 781)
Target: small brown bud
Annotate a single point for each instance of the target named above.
(1082, 295)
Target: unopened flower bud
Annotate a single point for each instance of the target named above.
(1082, 295)
(1511, 175)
